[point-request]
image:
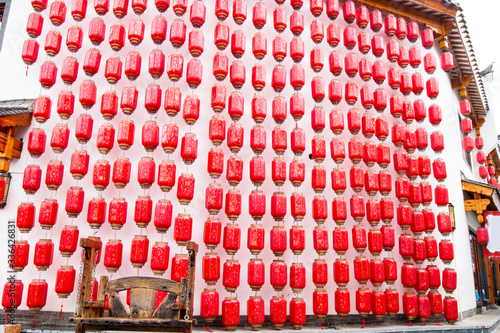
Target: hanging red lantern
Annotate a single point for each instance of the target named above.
(342, 302)
(378, 305)
(449, 280)
(74, 38)
(377, 271)
(339, 213)
(297, 277)
(21, 250)
(436, 303)
(132, 67)
(390, 270)
(279, 19)
(234, 172)
(255, 238)
(12, 295)
(221, 35)
(117, 214)
(361, 269)
(121, 172)
(44, 251)
(335, 65)
(379, 99)
(48, 214)
(427, 37)
(79, 164)
(401, 28)
(177, 33)
(113, 255)
(257, 204)
(278, 274)
(277, 311)
(446, 253)
(392, 50)
(180, 264)
(363, 302)
(408, 275)
(159, 29)
(386, 210)
(238, 43)
(74, 201)
(65, 281)
(450, 312)
(482, 236)
(256, 273)
(232, 237)
(296, 23)
(351, 65)
(139, 251)
(38, 5)
(37, 295)
(211, 268)
(444, 223)
(236, 105)
(68, 241)
(143, 211)
(341, 272)
(48, 74)
(30, 50)
(406, 246)
(100, 175)
(297, 313)
(377, 45)
(317, 31)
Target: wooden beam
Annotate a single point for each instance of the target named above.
(476, 188)
(433, 22)
(471, 205)
(23, 119)
(437, 6)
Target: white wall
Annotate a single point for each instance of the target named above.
(18, 85)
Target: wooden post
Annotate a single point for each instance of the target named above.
(497, 270)
(489, 275)
(90, 247)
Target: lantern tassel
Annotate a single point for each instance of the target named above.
(409, 323)
(27, 70)
(425, 324)
(437, 323)
(7, 319)
(321, 325)
(363, 326)
(60, 312)
(34, 321)
(208, 329)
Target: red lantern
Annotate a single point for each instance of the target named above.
(234, 172)
(341, 272)
(74, 38)
(47, 216)
(390, 270)
(392, 302)
(221, 35)
(12, 295)
(297, 277)
(386, 210)
(31, 47)
(68, 241)
(21, 251)
(363, 302)
(450, 306)
(117, 214)
(339, 213)
(342, 302)
(113, 255)
(139, 251)
(65, 281)
(337, 149)
(297, 49)
(38, 5)
(35, 22)
(317, 31)
(278, 274)
(482, 236)
(257, 204)
(377, 45)
(430, 63)
(446, 253)
(297, 313)
(379, 307)
(359, 240)
(232, 237)
(297, 23)
(37, 295)
(278, 311)
(392, 49)
(180, 264)
(96, 212)
(436, 303)
(44, 251)
(427, 37)
(211, 268)
(177, 33)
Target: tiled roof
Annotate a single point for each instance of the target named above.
(461, 44)
(16, 106)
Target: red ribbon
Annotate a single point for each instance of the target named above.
(60, 312)
(34, 319)
(208, 329)
(409, 323)
(363, 324)
(437, 323)
(321, 325)
(7, 320)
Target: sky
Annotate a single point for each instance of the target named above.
(482, 17)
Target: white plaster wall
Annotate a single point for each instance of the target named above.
(18, 85)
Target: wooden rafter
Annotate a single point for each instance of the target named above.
(437, 6)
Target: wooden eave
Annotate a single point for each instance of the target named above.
(430, 13)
